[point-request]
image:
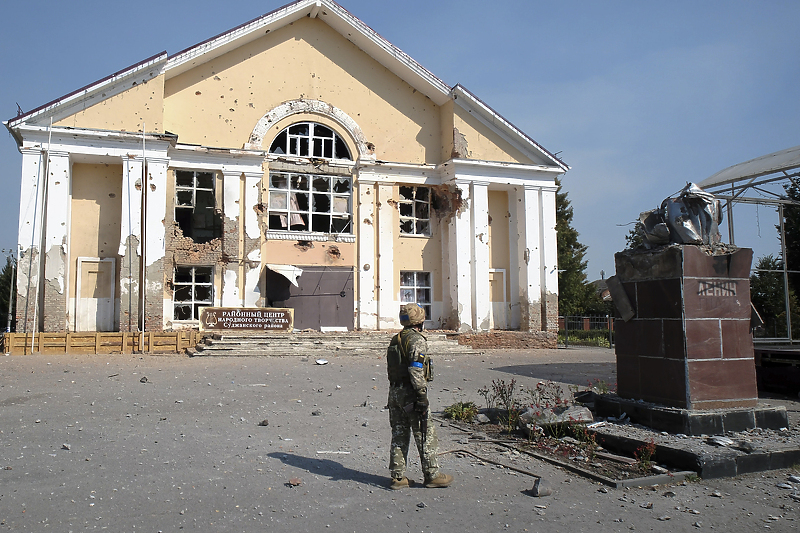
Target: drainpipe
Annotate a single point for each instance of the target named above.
(143, 263)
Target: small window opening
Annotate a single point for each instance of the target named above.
(193, 289)
(415, 210)
(415, 287)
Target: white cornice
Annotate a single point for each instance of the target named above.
(513, 135)
(93, 93)
(338, 18)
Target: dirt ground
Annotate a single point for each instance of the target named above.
(154, 443)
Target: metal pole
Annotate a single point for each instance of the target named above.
(44, 235)
(11, 285)
(730, 217)
(785, 276)
(143, 265)
(610, 339)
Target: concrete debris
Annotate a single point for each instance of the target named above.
(143, 380)
(787, 486)
(322, 361)
(316, 412)
(294, 482)
(264, 422)
(65, 447)
(421, 505)
(481, 418)
(794, 479)
(720, 441)
(555, 416)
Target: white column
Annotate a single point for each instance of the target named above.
(29, 236)
(131, 223)
(232, 211)
(252, 274)
(481, 304)
(367, 305)
(158, 308)
(549, 261)
(30, 201)
(460, 261)
(388, 305)
(55, 252)
(527, 215)
(130, 234)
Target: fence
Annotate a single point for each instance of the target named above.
(586, 330)
(100, 343)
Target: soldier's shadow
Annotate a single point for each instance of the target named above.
(332, 469)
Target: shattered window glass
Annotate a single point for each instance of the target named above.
(309, 139)
(415, 210)
(297, 199)
(415, 287)
(195, 205)
(193, 289)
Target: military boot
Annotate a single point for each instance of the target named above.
(398, 484)
(441, 480)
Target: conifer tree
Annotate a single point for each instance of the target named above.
(575, 294)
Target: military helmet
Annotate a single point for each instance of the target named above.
(411, 315)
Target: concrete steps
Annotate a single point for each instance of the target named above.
(316, 344)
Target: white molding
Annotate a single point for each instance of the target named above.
(313, 107)
(338, 18)
(95, 92)
(510, 133)
(302, 236)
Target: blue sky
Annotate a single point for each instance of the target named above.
(637, 97)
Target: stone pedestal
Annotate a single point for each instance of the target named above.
(688, 344)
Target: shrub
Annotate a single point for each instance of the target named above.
(461, 411)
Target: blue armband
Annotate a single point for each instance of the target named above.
(416, 364)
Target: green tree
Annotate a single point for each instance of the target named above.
(7, 285)
(791, 225)
(575, 295)
(767, 295)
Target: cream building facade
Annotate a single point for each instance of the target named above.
(299, 160)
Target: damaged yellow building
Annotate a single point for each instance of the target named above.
(299, 160)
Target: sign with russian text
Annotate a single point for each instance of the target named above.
(246, 319)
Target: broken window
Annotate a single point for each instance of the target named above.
(309, 202)
(195, 206)
(309, 139)
(415, 210)
(193, 289)
(415, 287)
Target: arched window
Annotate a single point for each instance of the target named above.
(309, 139)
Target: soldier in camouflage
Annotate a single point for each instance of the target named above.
(409, 369)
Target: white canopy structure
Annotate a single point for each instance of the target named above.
(737, 183)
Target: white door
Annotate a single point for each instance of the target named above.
(497, 295)
(95, 294)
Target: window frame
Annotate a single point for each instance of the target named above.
(192, 301)
(216, 228)
(299, 199)
(421, 225)
(416, 288)
(291, 141)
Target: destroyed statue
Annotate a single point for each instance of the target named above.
(691, 218)
(409, 368)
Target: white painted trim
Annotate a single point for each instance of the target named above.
(301, 236)
(510, 133)
(94, 93)
(308, 106)
(350, 27)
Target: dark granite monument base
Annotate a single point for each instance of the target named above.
(690, 421)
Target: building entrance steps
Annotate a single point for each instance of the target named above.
(318, 344)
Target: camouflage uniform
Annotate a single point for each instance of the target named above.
(407, 381)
